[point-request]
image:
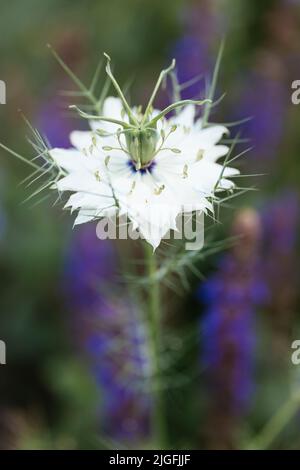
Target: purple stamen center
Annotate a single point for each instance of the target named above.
(142, 170)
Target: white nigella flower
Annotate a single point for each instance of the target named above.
(143, 165)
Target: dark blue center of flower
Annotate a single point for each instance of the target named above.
(142, 170)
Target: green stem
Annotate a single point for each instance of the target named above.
(276, 424)
(154, 321)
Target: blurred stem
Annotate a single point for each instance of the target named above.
(154, 320)
(276, 424)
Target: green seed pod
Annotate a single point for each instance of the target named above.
(141, 145)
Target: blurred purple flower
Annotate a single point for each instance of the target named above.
(110, 332)
(231, 296)
(280, 223)
(280, 219)
(193, 50)
(120, 365)
(193, 59)
(54, 124)
(264, 101)
(91, 265)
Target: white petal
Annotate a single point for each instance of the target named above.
(205, 175)
(83, 182)
(214, 153)
(81, 139)
(153, 213)
(83, 217)
(112, 108)
(83, 200)
(87, 215)
(68, 159)
(212, 134)
(185, 117)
